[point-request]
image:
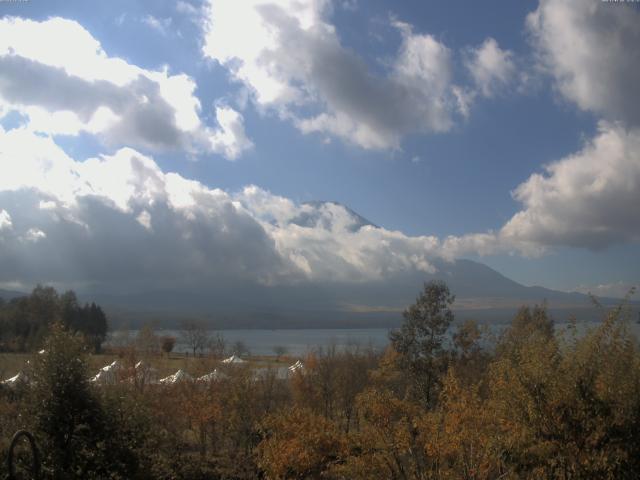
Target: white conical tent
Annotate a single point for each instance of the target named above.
(20, 378)
(233, 359)
(179, 376)
(104, 377)
(113, 366)
(209, 377)
(108, 374)
(145, 372)
(297, 367)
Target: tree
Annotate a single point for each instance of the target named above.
(167, 343)
(26, 320)
(419, 340)
(469, 359)
(195, 335)
(147, 342)
(96, 325)
(569, 409)
(89, 319)
(387, 444)
(279, 350)
(461, 435)
(299, 444)
(529, 324)
(466, 338)
(79, 439)
(239, 348)
(217, 346)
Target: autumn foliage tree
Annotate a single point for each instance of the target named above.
(299, 444)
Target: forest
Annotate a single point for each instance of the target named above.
(443, 401)
(25, 320)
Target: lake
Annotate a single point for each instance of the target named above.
(299, 342)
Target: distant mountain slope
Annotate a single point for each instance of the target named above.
(475, 279)
(481, 293)
(9, 294)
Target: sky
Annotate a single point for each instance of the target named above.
(163, 144)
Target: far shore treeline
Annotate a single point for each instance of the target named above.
(25, 321)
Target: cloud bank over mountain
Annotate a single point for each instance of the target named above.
(121, 218)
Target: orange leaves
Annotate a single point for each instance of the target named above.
(460, 436)
(299, 444)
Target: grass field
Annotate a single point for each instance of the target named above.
(12, 363)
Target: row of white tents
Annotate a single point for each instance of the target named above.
(145, 373)
(110, 373)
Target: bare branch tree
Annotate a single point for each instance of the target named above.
(195, 335)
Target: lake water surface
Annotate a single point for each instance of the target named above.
(299, 342)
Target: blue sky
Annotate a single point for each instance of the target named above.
(424, 117)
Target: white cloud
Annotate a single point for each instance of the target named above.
(161, 25)
(293, 58)
(588, 199)
(5, 220)
(611, 290)
(329, 242)
(591, 50)
(186, 8)
(464, 99)
(34, 235)
(491, 67)
(121, 216)
(120, 19)
(230, 138)
(144, 219)
(58, 76)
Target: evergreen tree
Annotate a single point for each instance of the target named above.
(419, 341)
(79, 440)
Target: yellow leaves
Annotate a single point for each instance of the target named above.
(460, 436)
(571, 410)
(200, 405)
(388, 441)
(298, 444)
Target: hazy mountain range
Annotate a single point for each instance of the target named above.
(481, 293)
